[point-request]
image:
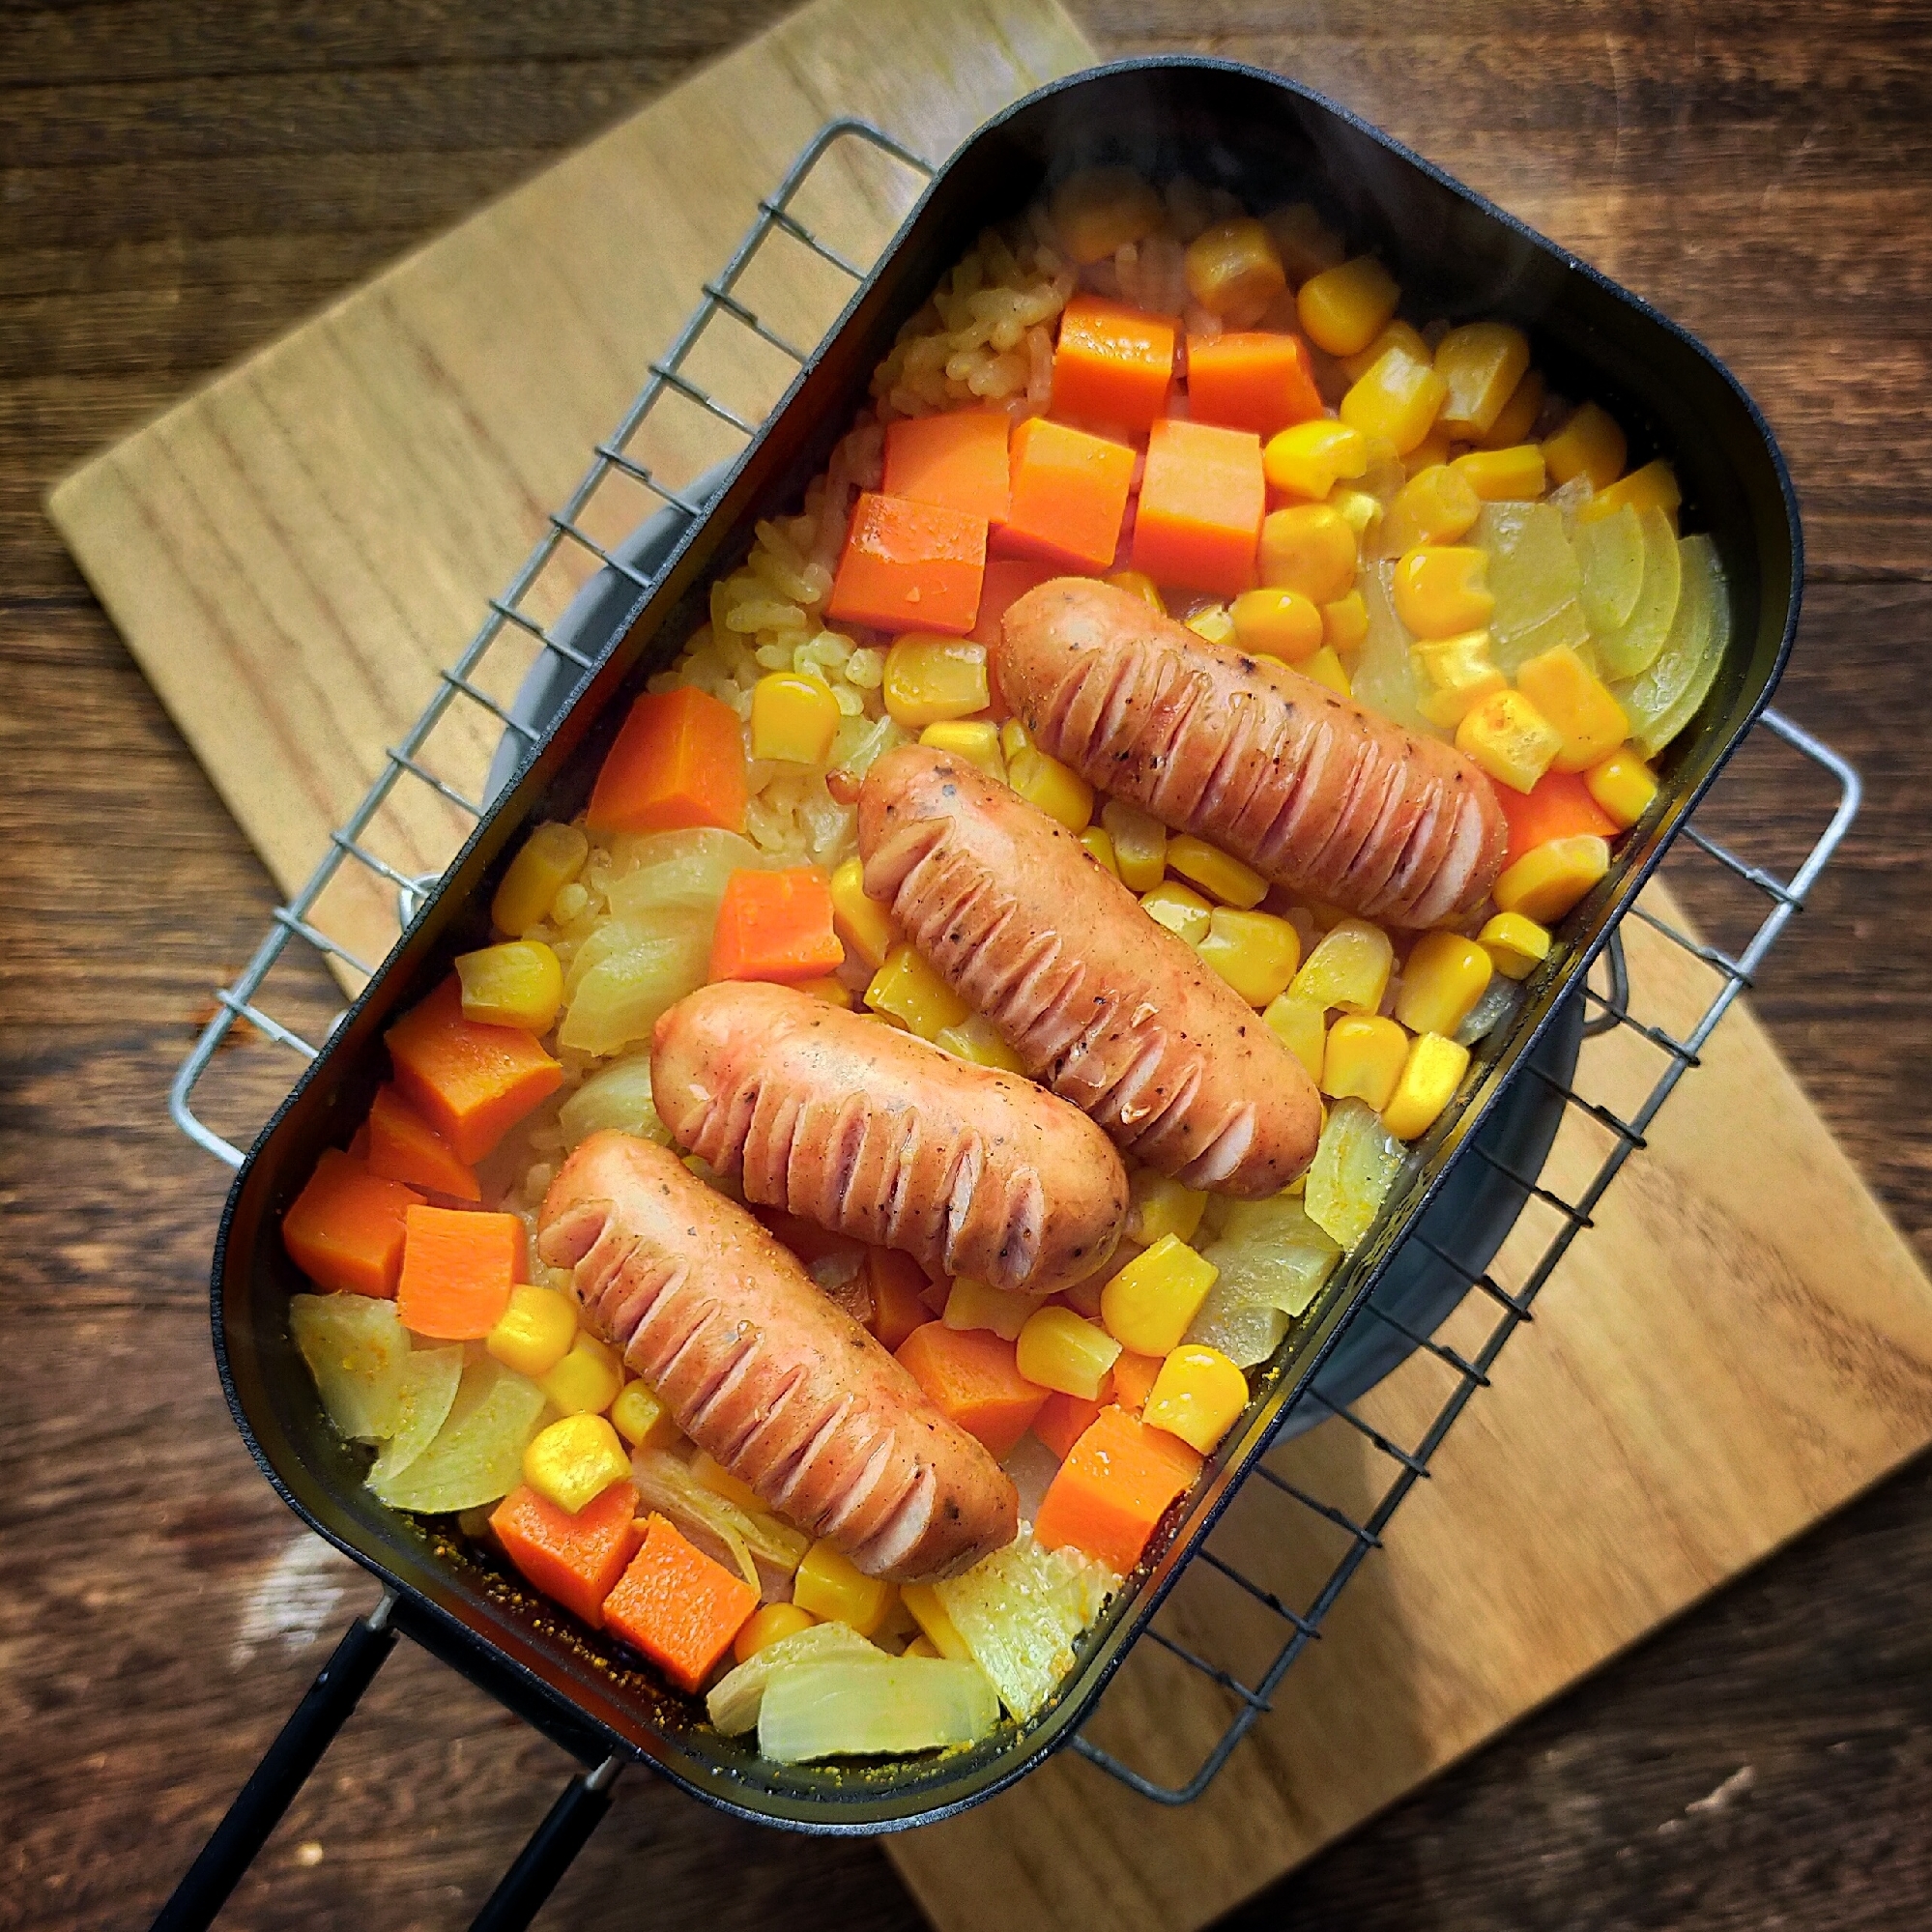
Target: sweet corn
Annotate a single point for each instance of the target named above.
(1308, 245)
(1520, 413)
(1576, 703)
(1399, 334)
(1589, 445)
(519, 983)
(1458, 673)
(1162, 1206)
(574, 1462)
(1503, 475)
(1140, 843)
(974, 1039)
(830, 1586)
(793, 718)
(1058, 790)
(1326, 668)
(920, 1646)
(863, 924)
(1014, 739)
(1148, 1304)
(535, 1331)
(1298, 1026)
(1433, 451)
(1653, 487)
(1430, 1078)
(1060, 1350)
(928, 678)
(1184, 913)
(1214, 871)
(1510, 738)
(1623, 783)
(1443, 978)
(709, 1473)
(1308, 459)
(1516, 946)
(1254, 952)
(1481, 363)
(766, 1625)
(1435, 506)
(1309, 548)
(1363, 1059)
(1348, 969)
(1399, 397)
(1362, 512)
(1344, 309)
(1216, 623)
(585, 1380)
(568, 908)
(833, 992)
(1275, 624)
(908, 989)
(977, 740)
(1233, 270)
(1440, 589)
(552, 857)
(641, 1419)
(1141, 586)
(1098, 210)
(1100, 848)
(971, 1304)
(935, 1625)
(1196, 1396)
(1546, 882)
(1345, 622)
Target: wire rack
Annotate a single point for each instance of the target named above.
(1330, 1537)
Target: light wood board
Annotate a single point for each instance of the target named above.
(1741, 1344)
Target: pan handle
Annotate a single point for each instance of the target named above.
(565, 1830)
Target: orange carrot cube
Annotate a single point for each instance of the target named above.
(403, 1146)
(1069, 495)
(471, 1081)
(1557, 806)
(1063, 1420)
(1112, 364)
(345, 1229)
(678, 761)
(955, 460)
(458, 1267)
(575, 1561)
(1133, 1377)
(1008, 579)
(1250, 379)
(1202, 504)
(776, 925)
(1114, 1488)
(973, 1378)
(898, 1286)
(909, 566)
(678, 1606)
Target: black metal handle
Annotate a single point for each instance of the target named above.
(282, 1771)
(566, 1828)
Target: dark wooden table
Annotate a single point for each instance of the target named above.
(179, 180)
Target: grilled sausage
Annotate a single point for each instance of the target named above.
(848, 1122)
(1310, 789)
(1111, 1011)
(759, 1368)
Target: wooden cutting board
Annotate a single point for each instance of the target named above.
(1740, 1344)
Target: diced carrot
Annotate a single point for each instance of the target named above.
(1008, 579)
(897, 1284)
(1069, 495)
(345, 1229)
(678, 1606)
(972, 1379)
(1112, 364)
(471, 1082)
(359, 1145)
(909, 566)
(936, 1295)
(458, 1267)
(678, 761)
(1133, 1377)
(1250, 379)
(403, 1146)
(575, 1560)
(1558, 806)
(776, 925)
(1063, 1420)
(955, 460)
(1202, 504)
(1113, 1488)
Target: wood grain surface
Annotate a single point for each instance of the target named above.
(177, 184)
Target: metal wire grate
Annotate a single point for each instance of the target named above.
(1288, 1620)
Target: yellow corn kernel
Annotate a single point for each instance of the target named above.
(1233, 270)
(1214, 871)
(1140, 843)
(1430, 1076)
(1520, 413)
(908, 989)
(586, 1381)
(1345, 622)
(977, 740)
(1433, 451)
(641, 1419)
(1100, 848)
(709, 1473)
(831, 1587)
(971, 1304)
(1546, 882)
(1623, 785)
(864, 925)
(1442, 590)
(1348, 969)
(1162, 1206)
(535, 1331)
(1399, 334)
(1184, 913)
(1060, 1350)
(1308, 459)
(1344, 309)
(1307, 244)
(935, 1625)
(1458, 673)
(1435, 506)
(974, 1039)
(1363, 1059)
(1362, 512)
(552, 857)
(574, 1462)
(1014, 739)
(1503, 475)
(1141, 586)
(519, 983)
(1148, 1304)
(1653, 487)
(1326, 668)
(833, 992)
(793, 718)
(1197, 1396)
(1481, 363)
(922, 1645)
(1399, 397)
(1516, 946)
(1098, 210)
(1443, 978)
(1216, 623)
(1275, 624)
(930, 678)
(1298, 1025)
(1309, 548)
(1510, 738)
(1576, 703)
(1056, 789)
(766, 1625)
(1589, 445)
(568, 907)
(1254, 952)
